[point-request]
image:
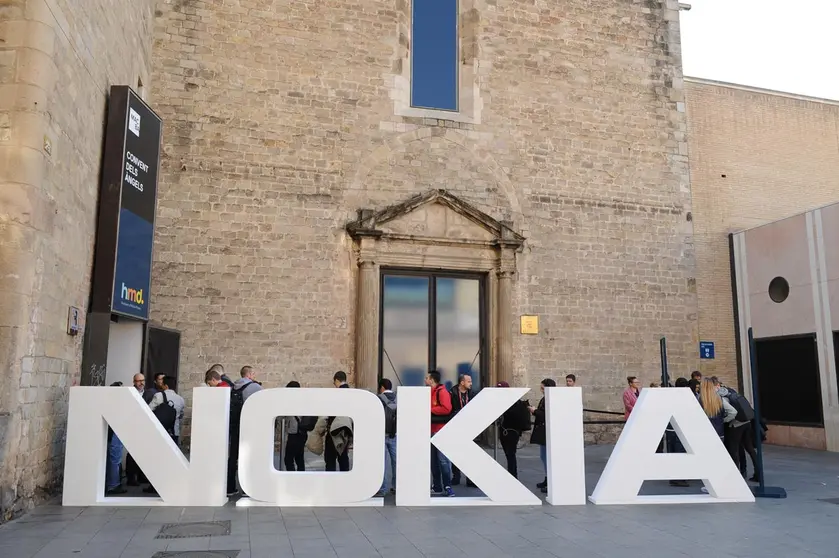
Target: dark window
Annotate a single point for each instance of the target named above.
(778, 289)
(434, 54)
(788, 380)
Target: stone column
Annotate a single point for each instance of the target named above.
(505, 324)
(367, 333)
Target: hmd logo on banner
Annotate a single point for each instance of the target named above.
(134, 296)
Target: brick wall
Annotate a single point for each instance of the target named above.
(755, 156)
(58, 59)
(281, 125)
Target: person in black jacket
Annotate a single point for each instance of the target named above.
(539, 435)
(511, 431)
(461, 394)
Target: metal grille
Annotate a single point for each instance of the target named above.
(198, 529)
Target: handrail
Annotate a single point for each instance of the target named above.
(602, 412)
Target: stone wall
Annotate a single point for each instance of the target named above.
(284, 119)
(755, 156)
(58, 59)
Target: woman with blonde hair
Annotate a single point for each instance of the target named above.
(719, 411)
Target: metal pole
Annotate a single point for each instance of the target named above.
(761, 491)
(665, 382)
(282, 443)
(495, 442)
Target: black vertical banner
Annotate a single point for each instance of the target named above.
(121, 282)
(127, 200)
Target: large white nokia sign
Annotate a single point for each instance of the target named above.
(201, 481)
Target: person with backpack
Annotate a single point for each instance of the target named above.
(297, 432)
(461, 394)
(388, 399)
(514, 422)
(539, 435)
(168, 407)
(225, 380)
(242, 389)
(336, 432)
(441, 413)
(213, 378)
(738, 429)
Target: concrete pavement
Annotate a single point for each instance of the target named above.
(802, 526)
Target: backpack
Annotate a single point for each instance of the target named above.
(306, 424)
(440, 419)
(237, 401)
(390, 415)
(745, 413)
(166, 414)
(519, 416)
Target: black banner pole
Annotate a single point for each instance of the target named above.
(665, 382)
(760, 491)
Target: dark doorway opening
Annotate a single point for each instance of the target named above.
(162, 354)
(788, 380)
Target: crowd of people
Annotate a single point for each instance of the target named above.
(731, 415)
(331, 437)
(168, 407)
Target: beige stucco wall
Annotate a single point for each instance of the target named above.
(802, 250)
(283, 120)
(780, 250)
(58, 59)
(779, 155)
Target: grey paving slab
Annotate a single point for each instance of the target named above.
(801, 526)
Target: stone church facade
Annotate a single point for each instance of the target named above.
(286, 124)
(297, 174)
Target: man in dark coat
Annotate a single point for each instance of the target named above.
(461, 395)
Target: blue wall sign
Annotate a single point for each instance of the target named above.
(706, 349)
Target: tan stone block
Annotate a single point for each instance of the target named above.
(25, 204)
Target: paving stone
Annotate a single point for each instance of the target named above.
(803, 526)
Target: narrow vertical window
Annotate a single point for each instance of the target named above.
(434, 58)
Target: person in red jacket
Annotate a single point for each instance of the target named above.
(214, 378)
(441, 412)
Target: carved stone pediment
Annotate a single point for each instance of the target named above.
(434, 231)
(435, 216)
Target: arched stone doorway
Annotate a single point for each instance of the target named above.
(440, 239)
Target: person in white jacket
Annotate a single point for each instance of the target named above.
(177, 402)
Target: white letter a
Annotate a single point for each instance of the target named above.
(635, 460)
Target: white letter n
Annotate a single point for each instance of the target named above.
(198, 482)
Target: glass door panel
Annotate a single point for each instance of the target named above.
(458, 329)
(405, 327)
